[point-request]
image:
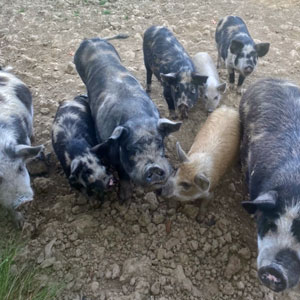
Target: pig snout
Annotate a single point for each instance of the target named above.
(154, 174)
(183, 110)
(283, 273)
(248, 70)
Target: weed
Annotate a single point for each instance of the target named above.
(76, 13)
(102, 2)
(106, 12)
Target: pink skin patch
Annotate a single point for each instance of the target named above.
(272, 278)
(111, 182)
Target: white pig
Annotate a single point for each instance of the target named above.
(211, 94)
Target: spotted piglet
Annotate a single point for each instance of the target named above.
(166, 58)
(16, 130)
(237, 49)
(73, 140)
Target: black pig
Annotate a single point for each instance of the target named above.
(166, 58)
(270, 152)
(127, 121)
(74, 141)
(237, 49)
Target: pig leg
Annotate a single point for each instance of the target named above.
(170, 102)
(231, 78)
(125, 190)
(219, 61)
(17, 217)
(149, 79)
(239, 85)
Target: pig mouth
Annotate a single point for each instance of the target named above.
(21, 200)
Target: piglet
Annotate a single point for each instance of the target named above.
(237, 49)
(211, 93)
(215, 148)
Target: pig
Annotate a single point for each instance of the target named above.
(74, 141)
(128, 124)
(270, 156)
(16, 130)
(214, 150)
(166, 58)
(237, 49)
(211, 94)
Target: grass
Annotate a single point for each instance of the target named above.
(76, 13)
(106, 12)
(21, 284)
(102, 2)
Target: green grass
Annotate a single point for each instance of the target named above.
(106, 12)
(21, 284)
(21, 10)
(76, 13)
(102, 2)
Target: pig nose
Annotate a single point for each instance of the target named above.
(183, 110)
(272, 277)
(154, 174)
(248, 70)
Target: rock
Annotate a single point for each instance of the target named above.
(191, 211)
(233, 266)
(245, 253)
(48, 262)
(42, 185)
(94, 286)
(182, 279)
(115, 271)
(48, 248)
(194, 245)
(84, 225)
(151, 199)
(137, 266)
(155, 288)
(70, 69)
(158, 218)
(37, 167)
(171, 243)
(228, 289)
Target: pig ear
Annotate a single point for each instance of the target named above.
(236, 46)
(75, 168)
(202, 182)
(181, 154)
(221, 87)
(199, 79)
(166, 126)
(168, 78)
(266, 200)
(26, 152)
(262, 49)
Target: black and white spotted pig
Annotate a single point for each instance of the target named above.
(237, 49)
(16, 117)
(74, 141)
(270, 152)
(127, 121)
(166, 58)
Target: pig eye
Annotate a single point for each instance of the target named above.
(205, 97)
(216, 98)
(176, 88)
(20, 169)
(185, 185)
(272, 226)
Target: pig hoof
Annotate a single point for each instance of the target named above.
(125, 191)
(231, 86)
(148, 89)
(172, 115)
(18, 220)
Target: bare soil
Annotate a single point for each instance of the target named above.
(147, 248)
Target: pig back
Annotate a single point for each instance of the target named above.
(219, 140)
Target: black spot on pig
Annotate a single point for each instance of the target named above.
(24, 95)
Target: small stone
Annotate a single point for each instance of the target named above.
(70, 69)
(240, 285)
(115, 271)
(191, 211)
(160, 254)
(151, 228)
(94, 286)
(194, 245)
(232, 187)
(171, 243)
(151, 199)
(48, 262)
(158, 218)
(155, 288)
(233, 266)
(245, 253)
(228, 289)
(45, 110)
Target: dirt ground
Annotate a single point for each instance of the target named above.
(147, 248)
